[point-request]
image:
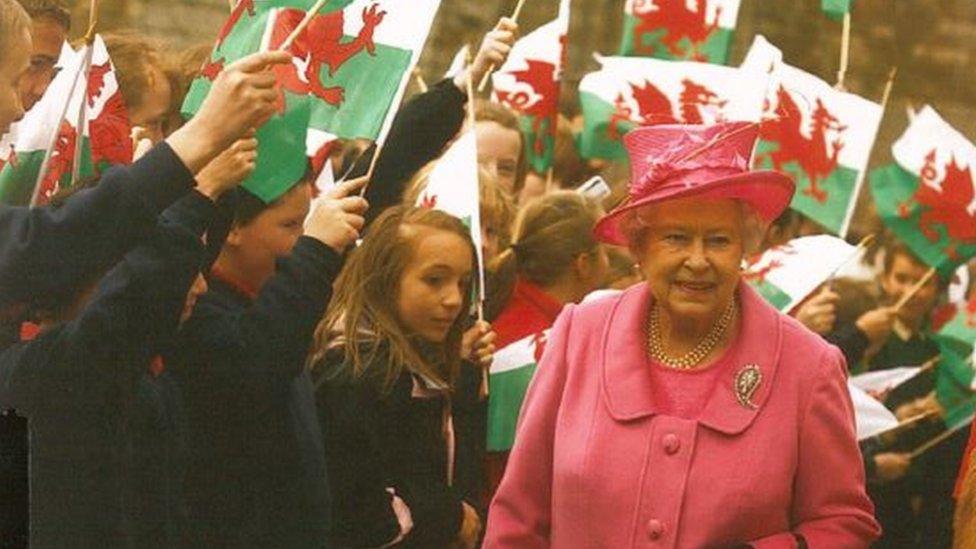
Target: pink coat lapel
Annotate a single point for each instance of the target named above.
(627, 380)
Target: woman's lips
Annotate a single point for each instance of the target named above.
(695, 287)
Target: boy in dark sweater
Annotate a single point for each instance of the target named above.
(80, 383)
(256, 475)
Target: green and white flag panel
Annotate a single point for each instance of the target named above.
(360, 77)
(870, 416)
(787, 274)
(29, 138)
(452, 187)
(528, 83)
(820, 136)
(511, 371)
(105, 131)
(700, 30)
(926, 197)
(630, 91)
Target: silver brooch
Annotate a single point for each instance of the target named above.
(747, 381)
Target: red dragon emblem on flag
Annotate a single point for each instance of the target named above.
(110, 130)
(211, 69)
(235, 16)
(654, 106)
(540, 101)
(320, 45)
(951, 204)
(59, 164)
(428, 201)
(678, 21)
(810, 153)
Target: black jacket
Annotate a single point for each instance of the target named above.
(257, 473)
(418, 135)
(85, 385)
(47, 251)
(376, 440)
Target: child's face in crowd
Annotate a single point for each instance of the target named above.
(48, 36)
(433, 283)
(14, 63)
(499, 149)
(272, 234)
(905, 272)
(153, 112)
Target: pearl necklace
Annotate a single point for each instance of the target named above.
(655, 348)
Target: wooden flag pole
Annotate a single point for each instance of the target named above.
(915, 289)
(491, 68)
(301, 26)
(886, 96)
(86, 65)
(845, 51)
(419, 79)
(483, 389)
(938, 440)
(232, 4)
(35, 195)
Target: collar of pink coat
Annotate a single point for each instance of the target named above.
(627, 378)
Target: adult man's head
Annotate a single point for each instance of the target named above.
(50, 23)
(15, 46)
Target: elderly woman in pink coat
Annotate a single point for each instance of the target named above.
(686, 412)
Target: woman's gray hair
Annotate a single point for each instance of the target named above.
(753, 229)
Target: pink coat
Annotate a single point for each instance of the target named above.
(595, 466)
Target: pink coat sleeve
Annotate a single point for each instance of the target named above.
(519, 516)
(830, 505)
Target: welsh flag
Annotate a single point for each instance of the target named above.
(836, 8)
(452, 187)
(822, 138)
(955, 332)
(926, 197)
(629, 92)
(529, 83)
(696, 30)
(354, 58)
(786, 275)
(870, 416)
(511, 371)
(105, 132)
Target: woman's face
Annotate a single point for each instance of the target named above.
(499, 150)
(433, 283)
(691, 255)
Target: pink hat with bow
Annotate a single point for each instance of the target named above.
(668, 162)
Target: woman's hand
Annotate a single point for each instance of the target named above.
(819, 312)
(478, 344)
(470, 527)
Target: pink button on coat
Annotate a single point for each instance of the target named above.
(596, 466)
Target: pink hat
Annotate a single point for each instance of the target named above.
(680, 161)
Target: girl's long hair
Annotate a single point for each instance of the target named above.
(550, 233)
(362, 319)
